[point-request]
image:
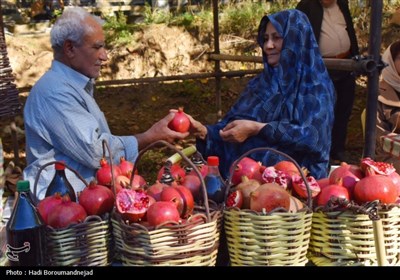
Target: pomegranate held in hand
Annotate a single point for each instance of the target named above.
(180, 122)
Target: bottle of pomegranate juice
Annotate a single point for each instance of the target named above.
(25, 231)
(60, 183)
(215, 185)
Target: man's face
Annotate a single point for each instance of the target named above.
(89, 57)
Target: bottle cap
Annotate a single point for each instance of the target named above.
(213, 161)
(23, 186)
(60, 165)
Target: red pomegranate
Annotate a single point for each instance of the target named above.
(96, 199)
(177, 173)
(247, 186)
(126, 167)
(155, 190)
(333, 190)
(375, 187)
(288, 167)
(46, 205)
(162, 212)
(66, 213)
(246, 167)
(193, 183)
(180, 122)
(103, 174)
(181, 196)
(350, 174)
(268, 197)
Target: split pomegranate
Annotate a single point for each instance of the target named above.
(96, 199)
(162, 212)
(66, 213)
(268, 197)
(300, 187)
(132, 204)
(180, 122)
(46, 205)
(379, 167)
(272, 175)
(235, 199)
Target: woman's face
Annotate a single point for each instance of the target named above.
(272, 45)
(397, 63)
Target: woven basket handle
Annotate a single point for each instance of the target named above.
(106, 147)
(184, 157)
(262, 149)
(51, 163)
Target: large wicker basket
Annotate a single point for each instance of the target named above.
(191, 243)
(277, 238)
(347, 237)
(85, 244)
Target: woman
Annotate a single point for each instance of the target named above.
(288, 107)
(388, 115)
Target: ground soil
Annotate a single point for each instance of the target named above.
(133, 108)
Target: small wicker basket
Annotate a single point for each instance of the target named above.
(277, 238)
(85, 244)
(346, 237)
(191, 243)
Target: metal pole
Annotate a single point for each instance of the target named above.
(217, 67)
(373, 78)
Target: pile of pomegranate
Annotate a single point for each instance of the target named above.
(157, 204)
(264, 189)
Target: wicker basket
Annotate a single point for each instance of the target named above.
(85, 244)
(277, 238)
(347, 237)
(192, 243)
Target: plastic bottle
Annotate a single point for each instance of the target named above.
(25, 231)
(60, 183)
(215, 185)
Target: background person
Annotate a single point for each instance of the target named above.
(63, 120)
(288, 107)
(388, 115)
(333, 28)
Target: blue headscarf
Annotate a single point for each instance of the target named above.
(295, 99)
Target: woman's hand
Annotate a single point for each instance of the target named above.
(196, 127)
(239, 130)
